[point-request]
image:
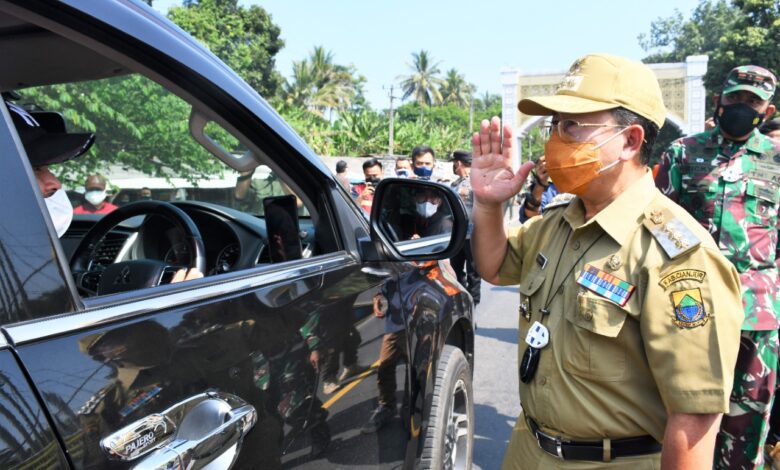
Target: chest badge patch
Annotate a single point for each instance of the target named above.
(605, 285)
(689, 308)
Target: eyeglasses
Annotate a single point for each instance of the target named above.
(567, 128)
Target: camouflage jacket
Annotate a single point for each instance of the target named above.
(732, 189)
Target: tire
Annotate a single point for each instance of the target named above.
(449, 439)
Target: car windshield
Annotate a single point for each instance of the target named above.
(145, 148)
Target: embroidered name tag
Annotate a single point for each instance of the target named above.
(605, 285)
(682, 275)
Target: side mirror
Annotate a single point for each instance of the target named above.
(415, 220)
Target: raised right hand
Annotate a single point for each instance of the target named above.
(492, 178)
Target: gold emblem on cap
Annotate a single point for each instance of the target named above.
(614, 262)
(657, 216)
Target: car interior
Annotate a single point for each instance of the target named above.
(150, 133)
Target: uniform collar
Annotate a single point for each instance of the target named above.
(622, 216)
(753, 143)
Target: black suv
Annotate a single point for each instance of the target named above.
(317, 336)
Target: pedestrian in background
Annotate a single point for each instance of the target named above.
(541, 192)
(423, 161)
(727, 178)
(341, 174)
(463, 261)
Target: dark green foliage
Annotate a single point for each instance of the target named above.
(245, 38)
(734, 33)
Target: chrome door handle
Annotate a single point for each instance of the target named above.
(202, 432)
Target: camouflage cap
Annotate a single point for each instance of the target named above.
(751, 78)
(599, 82)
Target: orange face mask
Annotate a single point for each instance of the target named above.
(573, 165)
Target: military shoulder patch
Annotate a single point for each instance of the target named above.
(674, 237)
(682, 275)
(688, 308)
(560, 200)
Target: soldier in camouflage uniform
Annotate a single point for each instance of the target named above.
(728, 178)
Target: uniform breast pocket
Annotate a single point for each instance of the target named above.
(529, 288)
(593, 347)
(761, 198)
(696, 192)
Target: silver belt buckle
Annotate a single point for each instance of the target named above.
(557, 439)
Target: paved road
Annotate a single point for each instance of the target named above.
(496, 403)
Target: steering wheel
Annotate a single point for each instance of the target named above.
(137, 274)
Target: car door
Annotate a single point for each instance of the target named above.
(28, 281)
(226, 370)
(183, 365)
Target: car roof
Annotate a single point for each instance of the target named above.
(30, 31)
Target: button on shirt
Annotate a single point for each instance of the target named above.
(732, 189)
(612, 371)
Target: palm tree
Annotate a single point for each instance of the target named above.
(456, 90)
(319, 85)
(424, 82)
(487, 100)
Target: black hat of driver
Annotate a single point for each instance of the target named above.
(46, 142)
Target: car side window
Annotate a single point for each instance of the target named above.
(152, 147)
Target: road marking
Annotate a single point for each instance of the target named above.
(351, 385)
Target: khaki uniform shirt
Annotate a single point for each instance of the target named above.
(612, 371)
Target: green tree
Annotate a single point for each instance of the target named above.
(456, 90)
(449, 115)
(487, 106)
(319, 85)
(244, 38)
(138, 124)
(733, 33)
(424, 82)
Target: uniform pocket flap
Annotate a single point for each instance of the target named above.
(764, 190)
(597, 315)
(532, 283)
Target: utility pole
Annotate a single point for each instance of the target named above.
(390, 143)
(471, 114)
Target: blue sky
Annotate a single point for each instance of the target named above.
(476, 38)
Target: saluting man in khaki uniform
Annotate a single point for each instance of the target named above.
(629, 316)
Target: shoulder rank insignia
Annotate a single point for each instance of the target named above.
(560, 200)
(674, 237)
(688, 308)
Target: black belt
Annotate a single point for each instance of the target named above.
(592, 450)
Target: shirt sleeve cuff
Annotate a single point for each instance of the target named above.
(697, 401)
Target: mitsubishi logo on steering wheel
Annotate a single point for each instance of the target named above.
(123, 277)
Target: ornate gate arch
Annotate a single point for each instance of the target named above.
(681, 84)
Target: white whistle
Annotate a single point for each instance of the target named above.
(538, 336)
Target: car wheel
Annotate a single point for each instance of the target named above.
(449, 440)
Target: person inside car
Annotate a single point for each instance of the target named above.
(46, 143)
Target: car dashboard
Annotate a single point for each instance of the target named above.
(232, 239)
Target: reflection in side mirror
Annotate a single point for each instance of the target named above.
(419, 220)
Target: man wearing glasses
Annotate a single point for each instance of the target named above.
(628, 312)
(727, 178)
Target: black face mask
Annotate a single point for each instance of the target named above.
(737, 119)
